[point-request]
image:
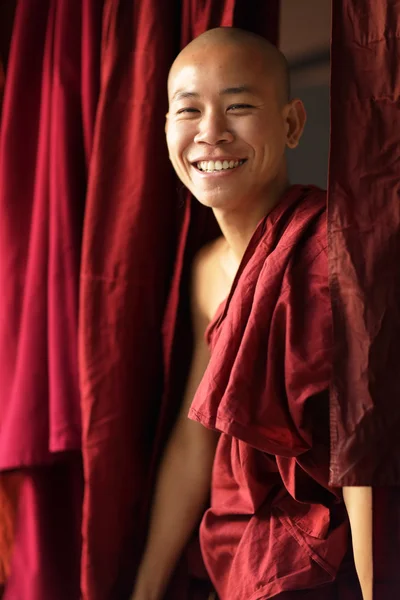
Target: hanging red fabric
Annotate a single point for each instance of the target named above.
(49, 103)
(364, 239)
(364, 236)
(128, 243)
(40, 240)
(9, 494)
(9, 482)
(2, 83)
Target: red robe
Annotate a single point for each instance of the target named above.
(274, 525)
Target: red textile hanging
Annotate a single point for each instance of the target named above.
(9, 495)
(2, 83)
(47, 119)
(46, 561)
(42, 187)
(7, 14)
(132, 226)
(9, 482)
(364, 235)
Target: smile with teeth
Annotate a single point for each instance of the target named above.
(209, 166)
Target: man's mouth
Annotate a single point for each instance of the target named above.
(211, 166)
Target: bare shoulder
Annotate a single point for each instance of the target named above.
(208, 289)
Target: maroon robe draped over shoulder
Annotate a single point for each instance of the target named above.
(274, 525)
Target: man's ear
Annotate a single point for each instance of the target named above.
(295, 117)
(166, 122)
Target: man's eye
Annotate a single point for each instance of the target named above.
(187, 110)
(240, 106)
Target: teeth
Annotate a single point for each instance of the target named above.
(210, 166)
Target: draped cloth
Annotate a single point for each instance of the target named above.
(45, 144)
(46, 558)
(128, 243)
(364, 255)
(9, 483)
(9, 497)
(266, 389)
(40, 232)
(138, 233)
(364, 234)
(2, 83)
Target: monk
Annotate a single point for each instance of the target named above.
(256, 445)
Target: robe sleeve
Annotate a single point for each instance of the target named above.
(276, 395)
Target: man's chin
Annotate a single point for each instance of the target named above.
(216, 201)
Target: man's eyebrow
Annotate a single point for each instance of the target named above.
(181, 95)
(230, 91)
(237, 89)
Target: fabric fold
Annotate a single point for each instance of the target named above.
(364, 247)
(43, 172)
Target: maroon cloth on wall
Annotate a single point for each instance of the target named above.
(42, 197)
(2, 83)
(364, 233)
(7, 14)
(46, 559)
(128, 243)
(132, 223)
(9, 482)
(47, 121)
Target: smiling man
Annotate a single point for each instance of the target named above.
(257, 441)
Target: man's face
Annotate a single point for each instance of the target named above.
(226, 127)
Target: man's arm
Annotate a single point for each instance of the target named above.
(184, 479)
(359, 506)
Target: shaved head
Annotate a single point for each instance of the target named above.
(230, 119)
(275, 63)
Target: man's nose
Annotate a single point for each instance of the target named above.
(213, 129)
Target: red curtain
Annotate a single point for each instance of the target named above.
(9, 495)
(9, 483)
(42, 199)
(52, 81)
(2, 82)
(136, 217)
(364, 237)
(364, 240)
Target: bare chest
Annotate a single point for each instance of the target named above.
(221, 273)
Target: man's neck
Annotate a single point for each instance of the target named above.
(238, 226)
